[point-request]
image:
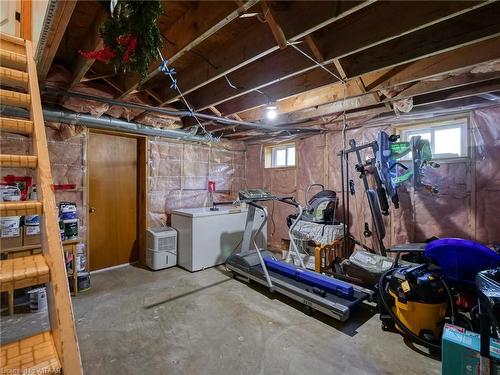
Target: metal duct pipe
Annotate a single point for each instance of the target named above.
(105, 123)
(171, 112)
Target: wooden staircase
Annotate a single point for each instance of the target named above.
(57, 349)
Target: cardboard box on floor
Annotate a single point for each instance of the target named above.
(460, 352)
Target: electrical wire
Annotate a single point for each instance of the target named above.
(293, 45)
(169, 72)
(230, 83)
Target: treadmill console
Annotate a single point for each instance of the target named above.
(255, 195)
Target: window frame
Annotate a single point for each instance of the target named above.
(270, 155)
(431, 127)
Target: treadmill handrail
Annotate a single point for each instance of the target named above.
(292, 237)
(251, 203)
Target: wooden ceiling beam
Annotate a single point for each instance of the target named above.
(257, 42)
(337, 39)
(427, 87)
(421, 92)
(429, 67)
(62, 14)
(93, 42)
(458, 92)
(280, 90)
(278, 34)
(188, 32)
(464, 57)
(432, 43)
(96, 76)
(476, 25)
(313, 46)
(255, 76)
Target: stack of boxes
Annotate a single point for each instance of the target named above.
(15, 235)
(10, 227)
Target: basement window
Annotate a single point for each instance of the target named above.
(280, 156)
(448, 139)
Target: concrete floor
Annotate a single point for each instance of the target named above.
(176, 322)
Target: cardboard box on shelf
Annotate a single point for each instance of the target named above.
(31, 235)
(11, 238)
(11, 232)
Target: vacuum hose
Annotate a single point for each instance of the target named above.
(399, 323)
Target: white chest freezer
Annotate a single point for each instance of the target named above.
(206, 238)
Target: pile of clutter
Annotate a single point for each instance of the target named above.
(20, 233)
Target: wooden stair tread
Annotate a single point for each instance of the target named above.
(56, 350)
(13, 78)
(16, 126)
(23, 272)
(15, 99)
(12, 46)
(20, 208)
(12, 60)
(4, 37)
(35, 354)
(18, 161)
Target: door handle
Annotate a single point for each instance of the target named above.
(91, 210)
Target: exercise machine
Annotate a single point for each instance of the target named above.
(314, 291)
(383, 160)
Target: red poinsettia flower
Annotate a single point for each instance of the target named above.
(131, 42)
(104, 55)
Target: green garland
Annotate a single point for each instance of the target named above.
(135, 19)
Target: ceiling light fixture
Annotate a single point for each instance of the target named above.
(271, 111)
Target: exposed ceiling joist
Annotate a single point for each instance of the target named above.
(96, 76)
(340, 38)
(429, 67)
(432, 44)
(427, 87)
(278, 34)
(423, 89)
(313, 46)
(467, 56)
(468, 28)
(257, 42)
(458, 92)
(188, 32)
(61, 17)
(93, 42)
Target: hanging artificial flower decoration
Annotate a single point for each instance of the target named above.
(131, 36)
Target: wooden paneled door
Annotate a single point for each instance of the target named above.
(113, 199)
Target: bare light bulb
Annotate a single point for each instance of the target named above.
(271, 113)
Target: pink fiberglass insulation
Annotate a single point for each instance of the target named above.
(179, 175)
(487, 221)
(88, 106)
(467, 205)
(67, 164)
(254, 166)
(178, 172)
(128, 114)
(159, 120)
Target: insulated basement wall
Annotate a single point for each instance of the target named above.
(68, 164)
(467, 206)
(179, 175)
(178, 172)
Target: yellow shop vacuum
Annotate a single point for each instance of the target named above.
(417, 299)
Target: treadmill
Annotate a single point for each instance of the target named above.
(315, 291)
